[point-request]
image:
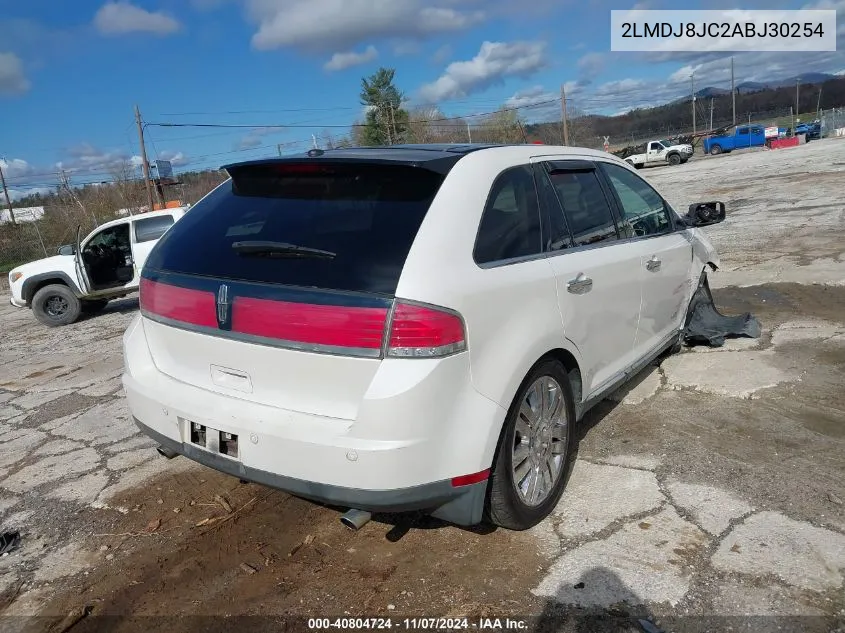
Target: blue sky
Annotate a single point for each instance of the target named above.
(71, 72)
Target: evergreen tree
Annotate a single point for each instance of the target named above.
(386, 122)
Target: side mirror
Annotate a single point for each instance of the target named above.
(705, 214)
(67, 249)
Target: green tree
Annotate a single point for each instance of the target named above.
(386, 121)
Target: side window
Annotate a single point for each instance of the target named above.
(643, 210)
(510, 224)
(655, 147)
(116, 236)
(150, 229)
(741, 131)
(586, 208)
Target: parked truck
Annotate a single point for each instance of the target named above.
(659, 153)
(743, 136)
(83, 277)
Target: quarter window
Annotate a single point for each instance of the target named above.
(150, 229)
(510, 224)
(643, 211)
(586, 207)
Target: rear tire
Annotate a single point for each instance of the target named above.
(715, 150)
(534, 442)
(56, 305)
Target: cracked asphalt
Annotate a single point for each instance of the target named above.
(711, 486)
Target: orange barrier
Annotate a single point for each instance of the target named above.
(170, 204)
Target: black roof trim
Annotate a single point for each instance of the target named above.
(439, 157)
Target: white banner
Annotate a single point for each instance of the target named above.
(733, 30)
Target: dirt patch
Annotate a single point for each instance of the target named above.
(178, 552)
(776, 303)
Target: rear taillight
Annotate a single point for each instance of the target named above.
(414, 331)
(309, 324)
(424, 332)
(184, 305)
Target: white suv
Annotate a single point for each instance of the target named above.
(410, 327)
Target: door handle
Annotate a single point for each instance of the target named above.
(580, 285)
(653, 264)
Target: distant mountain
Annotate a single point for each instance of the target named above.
(711, 92)
(747, 87)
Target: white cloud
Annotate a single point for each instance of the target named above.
(535, 104)
(85, 159)
(342, 61)
(254, 137)
(592, 63)
(15, 168)
(494, 62)
(177, 159)
(323, 25)
(13, 81)
(121, 17)
(529, 97)
(17, 194)
(442, 54)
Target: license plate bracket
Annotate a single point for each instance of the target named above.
(213, 440)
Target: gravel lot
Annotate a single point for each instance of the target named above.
(712, 487)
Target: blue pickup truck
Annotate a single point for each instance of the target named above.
(812, 130)
(743, 136)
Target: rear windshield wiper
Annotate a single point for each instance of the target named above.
(259, 248)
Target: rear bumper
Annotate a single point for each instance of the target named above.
(418, 426)
(462, 506)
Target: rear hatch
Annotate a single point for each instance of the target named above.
(278, 287)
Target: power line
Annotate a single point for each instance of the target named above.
(348, 125)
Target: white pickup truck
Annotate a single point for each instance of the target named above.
(85, 276)
(661, 153)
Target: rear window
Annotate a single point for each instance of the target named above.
(366, 215)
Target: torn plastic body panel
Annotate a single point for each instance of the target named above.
(705, 324)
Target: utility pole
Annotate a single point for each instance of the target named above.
(711, 113)
(797, 103)
(279, 148)
(144, 163)
(819, 104)
(692, 88)
(563, 114)
(469, 133)
(792, 114)
(8, 199)
(733, 93)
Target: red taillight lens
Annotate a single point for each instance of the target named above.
(184, 305)
(425, 332)
(468, 480)
(319, 325)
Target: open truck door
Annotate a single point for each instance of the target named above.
(81, 273)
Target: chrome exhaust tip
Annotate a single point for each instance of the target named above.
(355, 519)
(166, 452)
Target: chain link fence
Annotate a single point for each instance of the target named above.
(833, 122)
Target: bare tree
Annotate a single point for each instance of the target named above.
(67, 189)
(127, 187)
